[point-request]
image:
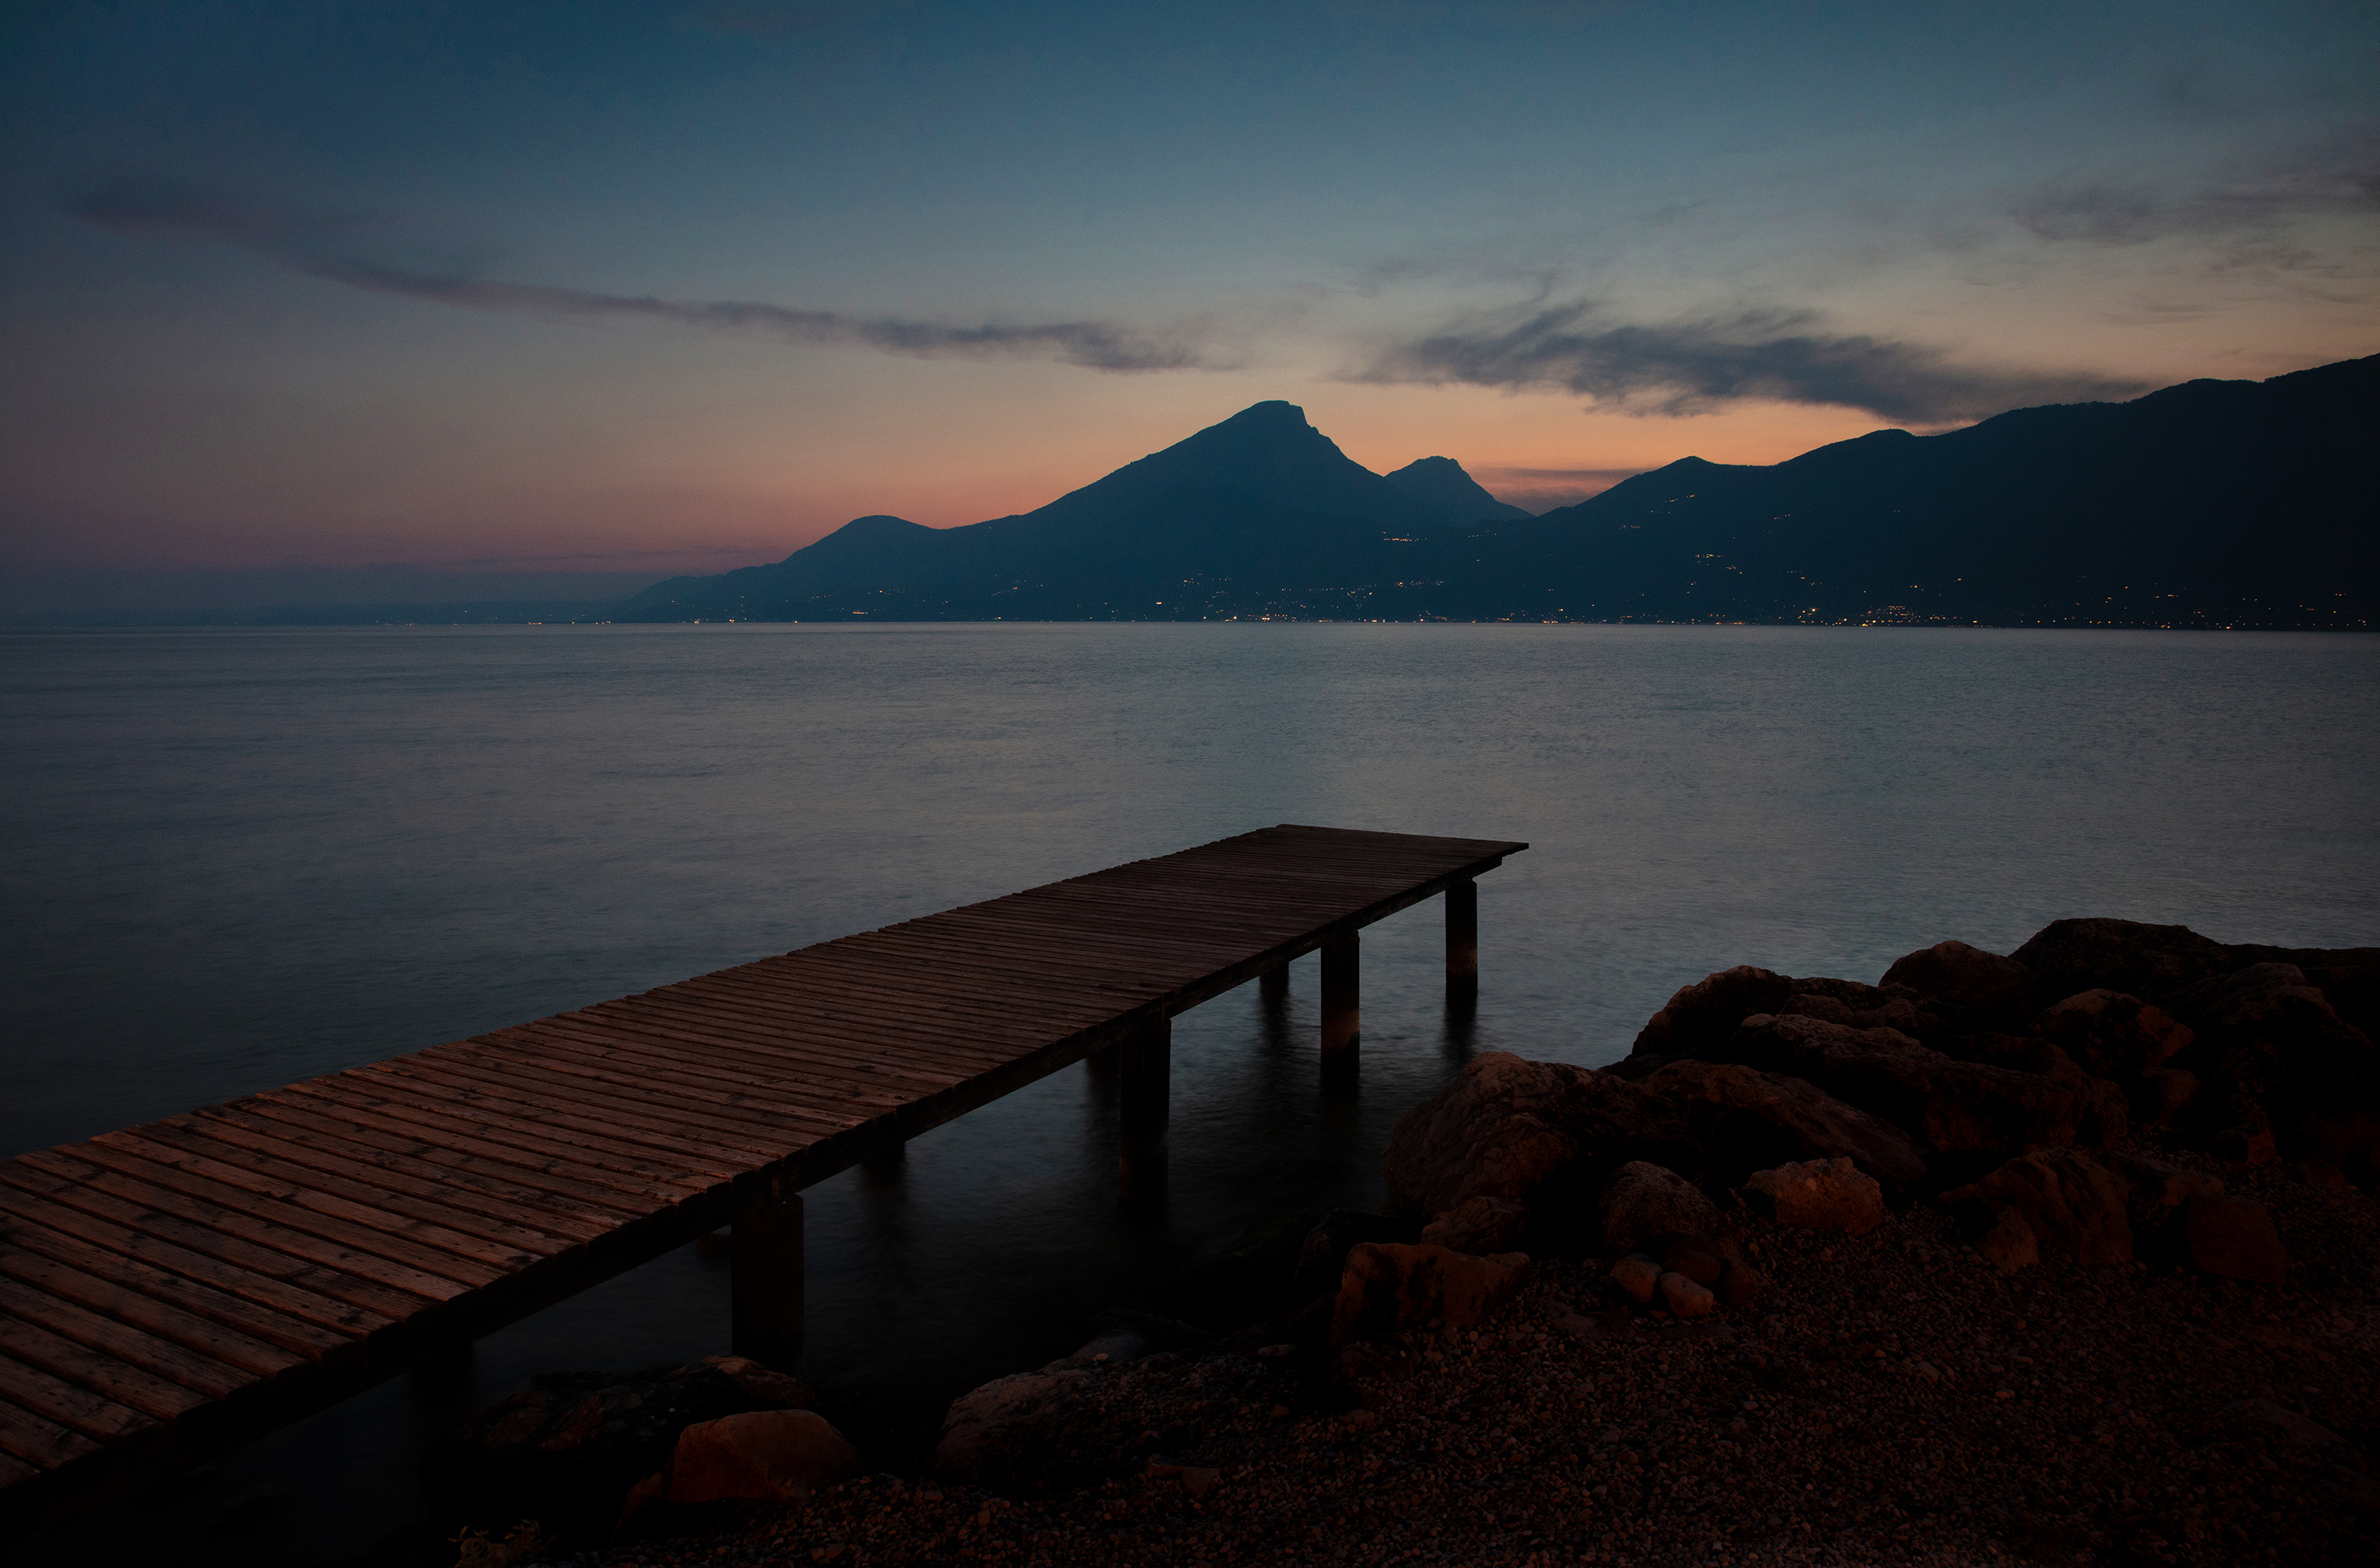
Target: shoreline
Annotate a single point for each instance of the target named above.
(2121, 1306)
(1853, 1414)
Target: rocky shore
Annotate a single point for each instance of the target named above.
(2067, 1256)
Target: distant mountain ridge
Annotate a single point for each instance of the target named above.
(2237, 503)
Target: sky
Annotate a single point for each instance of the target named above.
(650, 288)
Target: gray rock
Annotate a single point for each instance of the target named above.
(1323, 1255)
(1480, 1226)
(1684, 1298)
(1506, 1125)
(2068, 956)
(1754, 1117)
(2112, 1034)
(1643, 1200)
(1952, 1104)
(2073, 1203)
(1991, 990)
(1818, 1195)
(1638, 1278)
(2234, 1238)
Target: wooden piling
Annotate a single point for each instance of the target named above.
(1146, 1059)
(1343, 1013)
(1462, 936)
(766, 1296)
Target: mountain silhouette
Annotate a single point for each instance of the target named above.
(2207, 503)
(2212, 503)
(1261, 499)
(1440, 484)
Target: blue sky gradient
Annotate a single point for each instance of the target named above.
(680, 287)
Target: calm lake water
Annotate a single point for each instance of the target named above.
(233, 858)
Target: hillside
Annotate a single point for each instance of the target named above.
(2210, 503)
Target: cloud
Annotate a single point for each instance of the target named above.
(2337, 175)
(1695, 365)
(310, 241)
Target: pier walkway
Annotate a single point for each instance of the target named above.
(173, 1289)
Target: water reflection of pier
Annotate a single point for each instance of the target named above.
(172, 1289)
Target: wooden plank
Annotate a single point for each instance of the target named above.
(43, 1445)
(232, 1330)
(626, 1106)
(839, 1079)
(888, 989)
(341, 1303)
(752, 1076)
(369, 1208)
(768, 1010)
(145, 1372)
(130, 1387)
(723, 1156)
(285, 1227)
(496, 1219)
(317, 1107)
(814, 1074)
(30, 1389)
(504, 1137)
(668, 1080)
(521, 1109)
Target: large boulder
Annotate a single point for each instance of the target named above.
(2068, 956)
(1643, 1200)
(2348, 976)
(2270, 1046)
(2160, 1182)
(1323, 1255)
(2070, 1202)
(2235, 1240)
(1506, 1125)
(1749, 1119)
(567, 1450)
(1387, 1290)
(760, 1456)
(1818, 1195)
(1004, 1433)
(1984, 988)
(1702, 1017)
(2112, 1034)
(1953, 1105)
(1481, 1226)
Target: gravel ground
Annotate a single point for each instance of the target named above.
(1889, 1398)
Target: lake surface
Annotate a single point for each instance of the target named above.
(237, 858)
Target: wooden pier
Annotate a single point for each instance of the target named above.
(173, 1289)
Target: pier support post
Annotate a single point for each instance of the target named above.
(1272, 986)
(766, 1290)
(1463, 937)
(1146, 1059)
(1343, 1013)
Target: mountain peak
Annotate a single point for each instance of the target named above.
(1440, 484)
(1271, 411)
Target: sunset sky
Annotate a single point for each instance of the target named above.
(679, 287)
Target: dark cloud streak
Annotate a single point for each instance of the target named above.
(304, 241)
(2340, 175)
(1692, 367)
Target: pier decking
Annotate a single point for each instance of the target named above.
(172, 1289)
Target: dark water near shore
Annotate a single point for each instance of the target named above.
(233, 858)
